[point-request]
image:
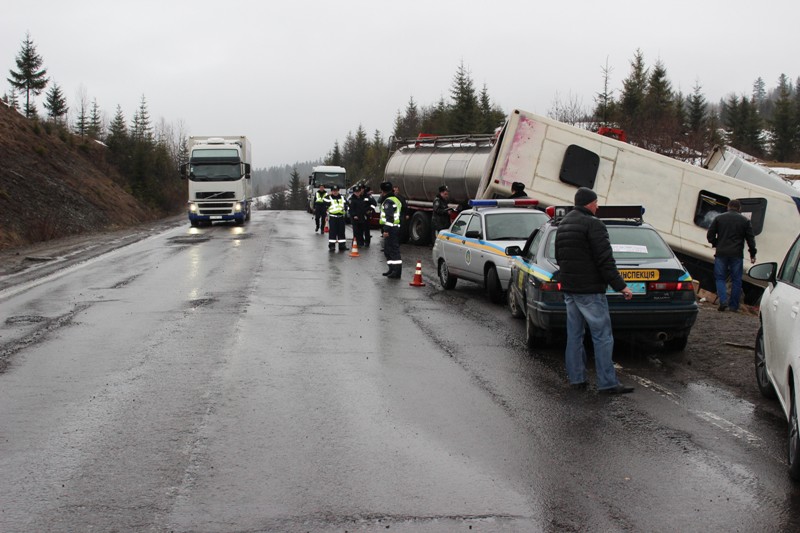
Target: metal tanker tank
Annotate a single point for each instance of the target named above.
(420, 166)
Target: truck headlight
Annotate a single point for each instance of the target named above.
(237, 207)
(192, 207)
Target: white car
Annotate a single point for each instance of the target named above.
(473, 248)
(777, 352)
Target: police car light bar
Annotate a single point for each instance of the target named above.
(516, 202)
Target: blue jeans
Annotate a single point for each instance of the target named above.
(723, 266)
(591, 309)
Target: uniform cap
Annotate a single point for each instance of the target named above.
(386, 186)
(585, 196)
(335, 188)
(443, 188)
(517, 186)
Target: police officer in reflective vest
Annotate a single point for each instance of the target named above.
(336, 211)
(320, 208)
(390, 222)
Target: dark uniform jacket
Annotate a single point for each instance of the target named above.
(728, 233)
(583, 253)
(440, 219)
(358, 208)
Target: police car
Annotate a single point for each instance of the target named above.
(473, 248)
(663, 307)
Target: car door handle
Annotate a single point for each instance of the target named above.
(795, 310)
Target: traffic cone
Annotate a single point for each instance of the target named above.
(354, 248)
(417, 282)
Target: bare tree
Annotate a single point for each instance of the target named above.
(570, 111)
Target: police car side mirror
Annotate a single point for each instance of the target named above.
(513, 251)
(473, 234)
(764, 272)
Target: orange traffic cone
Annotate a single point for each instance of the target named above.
(418, 276)
(354, 248)
(326, 225)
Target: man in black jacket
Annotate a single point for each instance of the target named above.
(586, 268)
(728, 233)
(357, 208)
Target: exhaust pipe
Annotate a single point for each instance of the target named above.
(662, 335)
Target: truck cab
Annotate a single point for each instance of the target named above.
(220, 186)
(328, 176)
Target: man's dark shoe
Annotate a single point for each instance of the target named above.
(619, 389)
(579, 386)
(387, 272)
(722, 307)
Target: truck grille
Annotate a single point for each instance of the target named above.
(218, 195)
(215, 208)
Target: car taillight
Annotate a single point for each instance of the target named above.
(670, 286)
(550, 286)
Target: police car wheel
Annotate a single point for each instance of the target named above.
(493, 286)
(448, 280)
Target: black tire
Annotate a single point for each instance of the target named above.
(762, 380)
(419, 231)
(513, 304)
(448, 281)
(676, 344)
(793, 440)
(493, 287)
(193, 223)
(531, 339)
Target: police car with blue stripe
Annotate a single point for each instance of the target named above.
(663, 308)
(473, 248)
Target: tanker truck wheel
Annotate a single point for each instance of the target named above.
(419, 232)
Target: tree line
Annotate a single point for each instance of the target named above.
(765, 123)
(146, 155)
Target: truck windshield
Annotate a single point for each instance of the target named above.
(329, 179)
(513, 226)
(215, 171)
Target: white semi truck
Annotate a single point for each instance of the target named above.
(220, 186)
(553, 159)
(327, 175)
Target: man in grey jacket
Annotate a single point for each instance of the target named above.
(728, 233)
(586, 268)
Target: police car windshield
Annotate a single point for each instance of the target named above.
(513, 226)
(627, 242)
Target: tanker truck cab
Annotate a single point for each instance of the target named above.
(220, 187)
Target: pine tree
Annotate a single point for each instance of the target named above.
(334, 157)
(698, 110)
(297, 192)
(760, 95)
(465, 114)
(11, 99)
(605, 104)
(55, 103)
(81, 124)
(783, 125)
(407, 124)
(491, 115)
(142, 129)
(30, 77)
(95, 126)
(634, 88)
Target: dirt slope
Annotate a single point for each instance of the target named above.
(54, 184)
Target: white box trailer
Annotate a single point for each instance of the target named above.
(220, 187)
(553, 159)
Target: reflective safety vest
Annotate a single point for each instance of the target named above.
(320, 197)
(336, 206)
(396, 216)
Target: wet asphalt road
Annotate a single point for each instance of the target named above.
(245, 379)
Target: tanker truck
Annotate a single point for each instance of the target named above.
(219, 179)
(553, 159)
(421, 165)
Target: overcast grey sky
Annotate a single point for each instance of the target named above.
(297, 75)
